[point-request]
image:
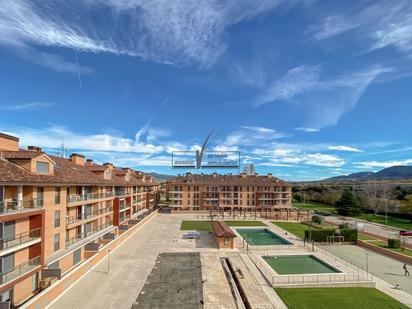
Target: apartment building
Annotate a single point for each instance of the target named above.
(228, 192)
(56, 212)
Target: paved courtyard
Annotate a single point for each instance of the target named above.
(130, 265)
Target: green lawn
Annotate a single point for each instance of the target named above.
(392, 221)
(384, 245)
(364, 237)
(342, 298)
(297, 229)
(205, 225)
(315, 206)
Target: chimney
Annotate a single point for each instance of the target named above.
(89, 162)
(109, 165)
(244, 175)
(270, 175)
(8, 142)
(214, 175)
(77, 158)
(34, 148)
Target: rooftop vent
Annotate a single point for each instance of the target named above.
(77, 158)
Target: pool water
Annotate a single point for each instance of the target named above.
(298, 264)
(262, 237)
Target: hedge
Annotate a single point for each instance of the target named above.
(394, 243)
(349, 235)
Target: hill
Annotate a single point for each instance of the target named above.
(161, 177)
(393, 172)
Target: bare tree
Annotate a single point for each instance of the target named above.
(376, 196)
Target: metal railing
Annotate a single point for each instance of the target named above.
(20, 238)
(25, 204)
(84, 235)
(19, 270)
(81, 217)
(122, 193)
(310, 279)
(75, 198)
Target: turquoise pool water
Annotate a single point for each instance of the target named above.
(298, 264)
(262, 237)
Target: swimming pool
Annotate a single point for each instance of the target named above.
(262, 237)
(298, 264)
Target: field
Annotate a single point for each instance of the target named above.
(384, 245)
(315, 206)
(392, 221)
(205, 225)
(297, 229)
(342, 298)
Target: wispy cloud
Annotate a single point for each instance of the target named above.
(25, 106)
(382, 164)
(332, 26)
(305, 129)
(324, 100)
(171, 32)
(345, 148)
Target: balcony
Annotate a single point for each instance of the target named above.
(20, 239)
(82, 236)
(75, 198)
(23, 205)
(19, 270)
(81, 217)
(122, 193)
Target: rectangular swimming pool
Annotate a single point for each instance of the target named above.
(262, 237)
(298, 264)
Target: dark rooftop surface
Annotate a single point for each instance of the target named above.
(175, 282)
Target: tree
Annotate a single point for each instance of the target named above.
(348, 204)
(406, 206)
(376, 195)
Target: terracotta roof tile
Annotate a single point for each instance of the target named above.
(221, 229)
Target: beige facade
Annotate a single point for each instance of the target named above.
(204, 192)
(55, 212)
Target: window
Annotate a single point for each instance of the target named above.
(42, 167)
(56, 242)
(7, 263)
(57, 218)
(107, 175)
(40, 196)
(57, 195)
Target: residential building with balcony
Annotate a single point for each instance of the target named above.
(228, 192)
(56, 212)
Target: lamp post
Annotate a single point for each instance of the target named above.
(108, 261)
(367, 262)
(386, 212)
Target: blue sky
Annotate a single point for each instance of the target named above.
(303, 89)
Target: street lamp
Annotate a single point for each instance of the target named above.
(386, 213)
(367, 262)
(108, 261)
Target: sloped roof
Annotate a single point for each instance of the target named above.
(221, 229)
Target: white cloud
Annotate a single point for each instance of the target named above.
(345, 148)
(250, 136)
(382, 164)
(305, 129)
(25, 106)
(320, 159)
(323, 100)
(172, 32)
(332, 26)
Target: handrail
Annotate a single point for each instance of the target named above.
(75, 198)
(19, 270)
(83, 216)
(20, 205)
(84, 235)
(20, 238)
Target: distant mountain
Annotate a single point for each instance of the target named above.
(161, 177)
(393, 172)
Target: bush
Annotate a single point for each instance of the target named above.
(349, 235)
(394, 243)
(316, 219)
(343, 226)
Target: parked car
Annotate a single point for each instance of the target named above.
(405, 233)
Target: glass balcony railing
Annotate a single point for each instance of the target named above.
(81, 217)
(15, 205)
(18, 239)
(81, 236)
(75, 198)
(122, 193)
(19, 270)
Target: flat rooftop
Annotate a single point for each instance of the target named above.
(174, 282)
